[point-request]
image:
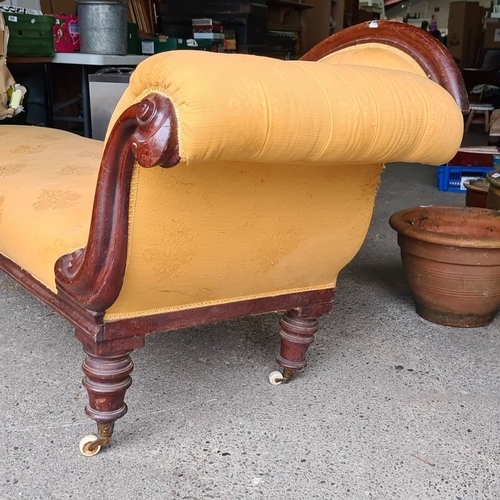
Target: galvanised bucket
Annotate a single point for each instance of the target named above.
(103, 26)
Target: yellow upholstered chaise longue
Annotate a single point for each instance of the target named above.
(229, 185)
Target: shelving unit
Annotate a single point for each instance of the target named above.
(261, 24)
(247, 18)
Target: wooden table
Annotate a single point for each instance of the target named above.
(47, 82)
(86, 62)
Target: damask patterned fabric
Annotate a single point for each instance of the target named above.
(204, 234)
(47, 186)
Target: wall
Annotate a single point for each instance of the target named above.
(425, 8)
(315, 23)
(27, 4)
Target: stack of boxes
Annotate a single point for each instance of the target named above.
(209, 29)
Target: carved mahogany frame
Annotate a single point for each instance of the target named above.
(103, 338)
(89, 280)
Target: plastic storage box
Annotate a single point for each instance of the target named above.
(30, 35)
(451, 178)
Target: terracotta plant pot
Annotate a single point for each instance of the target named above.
(476, 191)
(493, 199)
(451, 257)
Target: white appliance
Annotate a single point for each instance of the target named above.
(105, 89)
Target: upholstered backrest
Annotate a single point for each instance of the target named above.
(216, 232)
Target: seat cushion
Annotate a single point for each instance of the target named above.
(47, 185)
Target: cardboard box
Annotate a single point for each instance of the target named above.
(465, 29)
(66, 33)
(4, 37)
(11, 93)
(492, 36)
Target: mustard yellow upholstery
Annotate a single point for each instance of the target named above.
(280, 162)
(47, 185)
(376, 55)
(266, 110)
(235, 230)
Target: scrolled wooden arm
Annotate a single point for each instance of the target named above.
(146, 133)
(428, 52)
(154, 141)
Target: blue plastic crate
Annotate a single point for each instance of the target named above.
(452, 178)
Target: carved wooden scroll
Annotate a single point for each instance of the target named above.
(145, 133)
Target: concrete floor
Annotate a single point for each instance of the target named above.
(390, 407)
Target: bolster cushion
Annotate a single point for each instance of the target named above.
(255, 108)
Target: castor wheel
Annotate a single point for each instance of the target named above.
(86, 447)
(276, 378)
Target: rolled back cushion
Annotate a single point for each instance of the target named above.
(253, 108)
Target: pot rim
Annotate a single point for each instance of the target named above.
(401, 222)
(494, 181)
(478, 185)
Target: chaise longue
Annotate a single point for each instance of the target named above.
(228, 185)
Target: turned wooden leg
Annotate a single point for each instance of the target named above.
(107, 379)
(469, 120)
(297, 334)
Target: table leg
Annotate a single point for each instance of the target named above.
(469, 120)
(47, 91)
(85, 101)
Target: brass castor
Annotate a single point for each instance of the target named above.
(91, 445)
(88, 445)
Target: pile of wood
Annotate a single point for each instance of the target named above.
(143, 13)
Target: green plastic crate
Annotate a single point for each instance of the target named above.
(164, 43)
(30, 35)
(132, 38)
